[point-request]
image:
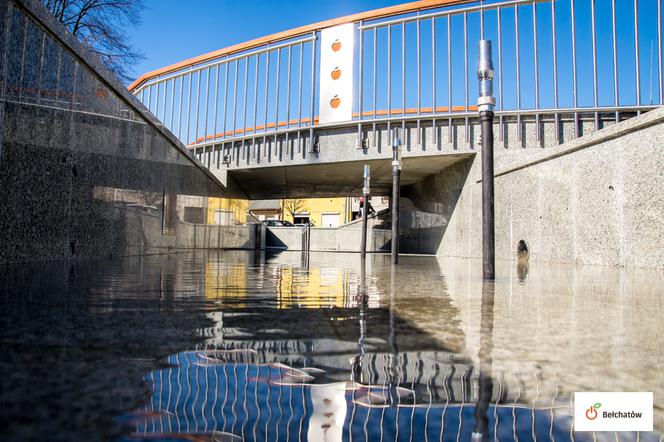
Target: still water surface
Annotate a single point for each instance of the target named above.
(224, 346)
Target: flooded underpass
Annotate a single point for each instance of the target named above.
(222, 346)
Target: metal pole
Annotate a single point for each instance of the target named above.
(485, 106)
(396, 184)
(365, 210)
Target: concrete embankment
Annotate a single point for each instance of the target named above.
(598, 199)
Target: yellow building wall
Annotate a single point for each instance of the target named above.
(317, 206)
(239, 207)
(315, 288)
(226, 283)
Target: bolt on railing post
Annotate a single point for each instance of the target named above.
(485, 106)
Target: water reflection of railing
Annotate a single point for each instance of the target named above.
(416, 62)
(238, 392)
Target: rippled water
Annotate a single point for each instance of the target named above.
(242, 345)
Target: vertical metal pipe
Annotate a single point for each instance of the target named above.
(191, 80)
(536, 72)
(419, 104)
(403, 77)
(288, 87)
(636, 52)
(465, 76)
(198, 104)
(485, 105)
(574, 85)
(181, 102)
(258, 58)
(659, 49)
(373, 88)
(433, 65)
(156, 102)
(465, 57)
(375, 69)
(216, 102)
(449, 77)
(389, 77)
(237, 71)
(163, 120)
(488, 228)
(360, 71)
(267, 90)
(518, 73)
(481, 24)
(313, 91)
(594, 46)
(359, 87)
(244, 104)
(500, 73)
(172, 125)
(396, 193)
(616, 99)
(244, 99)
(299, 86)
(207, 104)
(500, 59)
(225, 101)
(149, 98)
(433, 80)
(276, 108)
(365, 211)
(555, 67)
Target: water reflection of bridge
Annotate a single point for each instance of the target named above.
(340, 372)
(204, 394)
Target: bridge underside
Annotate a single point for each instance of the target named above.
(323, 180)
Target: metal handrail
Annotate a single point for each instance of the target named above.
(294, 51)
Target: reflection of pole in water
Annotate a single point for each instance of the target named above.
(394, 351)
(304, 260)
(485, 382)
(362, 302)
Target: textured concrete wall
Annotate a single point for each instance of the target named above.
(595, 200)
(85, 170)
(343, 239)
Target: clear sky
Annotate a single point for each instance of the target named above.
(173, 30)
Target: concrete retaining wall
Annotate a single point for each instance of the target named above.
(85, 170)
(595, 200)
(343, 239)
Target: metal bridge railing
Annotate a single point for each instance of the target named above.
(554, 58)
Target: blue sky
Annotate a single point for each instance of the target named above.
(173, 30)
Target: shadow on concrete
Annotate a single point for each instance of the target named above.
(427, 207)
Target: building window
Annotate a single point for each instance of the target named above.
(224, 217)
(194, 215)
